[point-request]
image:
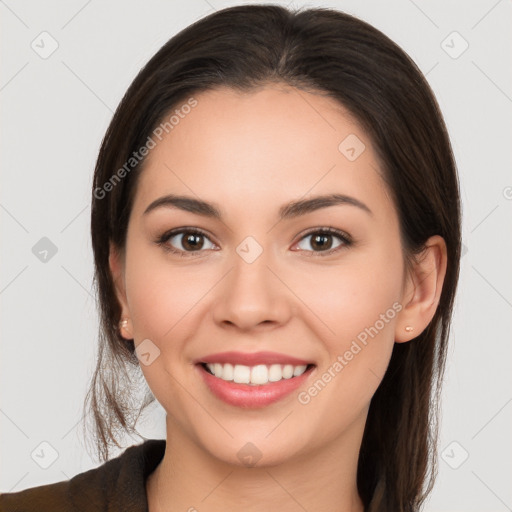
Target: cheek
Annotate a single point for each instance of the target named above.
(161, 294)
(353, 296)
(359, 305)
(164, 302)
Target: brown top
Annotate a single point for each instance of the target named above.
(117, 485)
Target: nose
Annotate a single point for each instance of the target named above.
(252, 296)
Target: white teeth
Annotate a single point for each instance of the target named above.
(259, 374)
(227, 372)
(217, 369)
(241, 374)
(299, 370)
(255, 375)
(287, 371)
(275, 373)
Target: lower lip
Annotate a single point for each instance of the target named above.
(250, 396)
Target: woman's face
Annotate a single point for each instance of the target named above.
(262, 287)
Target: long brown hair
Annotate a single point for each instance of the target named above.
(332, 53)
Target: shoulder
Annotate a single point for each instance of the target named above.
(118, 484)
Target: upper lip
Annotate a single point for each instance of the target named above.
(252, 358)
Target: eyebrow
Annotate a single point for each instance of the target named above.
(287, 211)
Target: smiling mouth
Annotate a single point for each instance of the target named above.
(258, 375)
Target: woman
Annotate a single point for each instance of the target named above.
(276, 232)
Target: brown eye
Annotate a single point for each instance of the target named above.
(192, 241)
(324, 241)
(185, 241)
(321, 242)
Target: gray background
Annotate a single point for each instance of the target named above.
(55, 111)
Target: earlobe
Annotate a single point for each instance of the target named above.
(125, 329)
(424, 287)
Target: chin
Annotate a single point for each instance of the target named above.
(253, 451)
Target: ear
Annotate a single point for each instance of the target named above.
(117, 269)
(423, 287)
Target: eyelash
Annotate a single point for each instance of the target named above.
(165, 237)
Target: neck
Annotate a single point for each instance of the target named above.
(190, 479)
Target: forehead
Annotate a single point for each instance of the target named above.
(276, 143)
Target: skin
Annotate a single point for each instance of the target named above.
(249, 154)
